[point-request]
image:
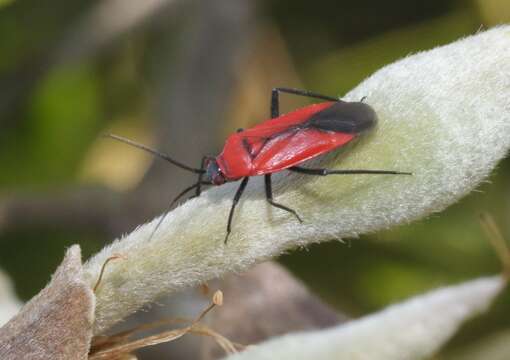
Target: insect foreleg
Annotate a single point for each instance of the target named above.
(269, 197)
(201, 174)
(181, 194)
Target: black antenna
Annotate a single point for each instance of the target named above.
(156, 153)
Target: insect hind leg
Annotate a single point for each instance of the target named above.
(275, 100)
(269, 197)
(325, 172)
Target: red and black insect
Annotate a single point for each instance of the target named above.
(281, 143)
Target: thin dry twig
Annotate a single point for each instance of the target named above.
(112, 347)
(228, 346)
(100, 277)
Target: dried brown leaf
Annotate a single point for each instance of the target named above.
(56, 323)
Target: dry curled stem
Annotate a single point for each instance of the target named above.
(118, 345)
(100, 277)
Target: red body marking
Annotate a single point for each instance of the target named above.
(277, 144)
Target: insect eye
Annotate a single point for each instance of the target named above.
(218, 178)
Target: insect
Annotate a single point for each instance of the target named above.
(283, 142)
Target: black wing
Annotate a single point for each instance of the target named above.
(345, 117)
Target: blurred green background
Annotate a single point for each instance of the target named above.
(179, 76)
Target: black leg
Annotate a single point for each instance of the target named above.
(181, 194)
(269, 197)
(325, 172)
(237, 196)
(188, 189)
(275, 103)
(198, 189)
(200, 177)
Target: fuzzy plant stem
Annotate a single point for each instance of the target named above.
(444, 115)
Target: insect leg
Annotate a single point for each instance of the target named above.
(269, 197)
(201, 176)
(275, 103)
(237, 196)
(325, 172)
(181, 194)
